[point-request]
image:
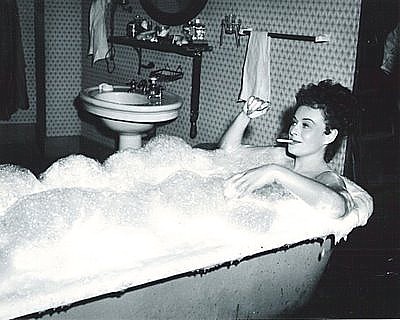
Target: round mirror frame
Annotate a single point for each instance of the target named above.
(173, 19)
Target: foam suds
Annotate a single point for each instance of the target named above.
(85, 228)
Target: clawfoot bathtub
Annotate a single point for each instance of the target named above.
(265, 285)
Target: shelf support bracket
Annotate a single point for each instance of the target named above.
(150, 65)
(194, 103)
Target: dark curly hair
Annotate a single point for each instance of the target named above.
(338, 106)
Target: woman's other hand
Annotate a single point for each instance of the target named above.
(246, 182)
(255, 107)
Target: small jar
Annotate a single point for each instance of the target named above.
(199, 30)
(187, 30)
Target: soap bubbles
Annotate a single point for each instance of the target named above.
(132, 188)
(15, 182)
(167, 179)
(90, 222)
(74, 171)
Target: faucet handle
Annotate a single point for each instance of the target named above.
(142, 86)
(153, 81)
(133, 85)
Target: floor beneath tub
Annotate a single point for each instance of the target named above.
(362, 278)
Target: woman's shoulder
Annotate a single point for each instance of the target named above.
(334, 181)
(331, 179)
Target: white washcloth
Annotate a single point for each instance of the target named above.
(256, 80)
(98, 47)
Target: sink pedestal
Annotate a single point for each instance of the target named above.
(133, 141)
(130, 133)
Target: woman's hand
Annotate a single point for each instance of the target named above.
(255, 107)
(253, 179)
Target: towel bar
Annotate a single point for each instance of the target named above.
(318, 38)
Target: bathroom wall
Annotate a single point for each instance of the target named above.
(292, 62)
(63, 66)
(68, 68)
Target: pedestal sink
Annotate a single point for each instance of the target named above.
(129, 114)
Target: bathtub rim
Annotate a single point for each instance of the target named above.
(197, 272)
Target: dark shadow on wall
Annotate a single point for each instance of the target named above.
(93, 120)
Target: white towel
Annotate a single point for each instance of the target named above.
(98, 47)
(256, 80)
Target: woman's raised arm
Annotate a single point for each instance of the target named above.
(232, 138)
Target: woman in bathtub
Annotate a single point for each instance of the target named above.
(320, 122)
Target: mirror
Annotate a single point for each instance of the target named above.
(173, 12)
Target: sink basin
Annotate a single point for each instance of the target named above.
(123, 98)
(129, 114)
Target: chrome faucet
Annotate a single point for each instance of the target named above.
(147, 87)
(154, 89)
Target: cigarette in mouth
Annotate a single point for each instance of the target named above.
(284, 140)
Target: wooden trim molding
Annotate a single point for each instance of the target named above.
(40, 75)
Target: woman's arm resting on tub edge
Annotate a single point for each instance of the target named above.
(327, 191)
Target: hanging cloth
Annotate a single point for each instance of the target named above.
(98, 45)
(13, 93)
(256, 79)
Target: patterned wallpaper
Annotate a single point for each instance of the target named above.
(63, 66)
(68, 68)
(293, 63)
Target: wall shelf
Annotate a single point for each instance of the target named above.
(194, 51)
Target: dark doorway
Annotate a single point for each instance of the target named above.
(371, 257)
(378, 93)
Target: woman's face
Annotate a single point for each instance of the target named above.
(307, 132)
